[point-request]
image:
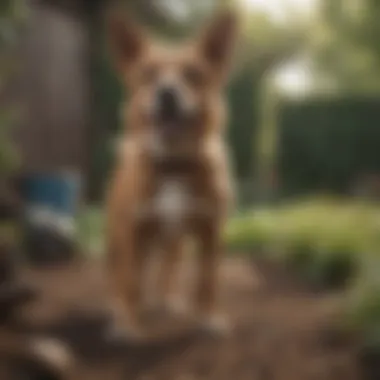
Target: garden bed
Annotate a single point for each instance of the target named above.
(282, 329)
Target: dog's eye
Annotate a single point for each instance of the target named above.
(149, 74)
(193, 75)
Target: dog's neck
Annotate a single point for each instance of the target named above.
(172, 157)
(158, 147)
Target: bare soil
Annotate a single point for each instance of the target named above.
(283, 330)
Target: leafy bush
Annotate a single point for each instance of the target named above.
(324, 224)
(322, 239)
(363, 306)
(12, 15)
(332, 269)
(250, 231)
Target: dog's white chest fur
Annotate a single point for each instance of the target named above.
(171, 202)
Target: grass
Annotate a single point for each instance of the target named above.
(323, 224)
(90, 226)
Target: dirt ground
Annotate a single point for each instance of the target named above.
(283, 331)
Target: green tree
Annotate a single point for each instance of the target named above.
(344, 44)
(12, 14)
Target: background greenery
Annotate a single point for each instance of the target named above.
(12, 17)
(327, 144)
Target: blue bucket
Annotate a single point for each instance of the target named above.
(57, 192)
(51, 204)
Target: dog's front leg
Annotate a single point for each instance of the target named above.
(125, 267)
(218, 189)
(124, 256)
(210, 253)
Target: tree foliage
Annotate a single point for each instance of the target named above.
(12, 15)
(344, 44)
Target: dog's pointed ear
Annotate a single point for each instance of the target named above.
(127, 41)
(218, 40)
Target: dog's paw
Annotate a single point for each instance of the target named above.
(215, 326)
(171, 306)
(175, 305)
(122, 326)
(123, 333)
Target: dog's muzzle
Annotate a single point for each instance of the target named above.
(171, 113)
(169, 107)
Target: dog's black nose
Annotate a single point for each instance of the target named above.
(168, 103)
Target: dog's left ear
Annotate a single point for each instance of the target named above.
(218, 41)
(127, 41)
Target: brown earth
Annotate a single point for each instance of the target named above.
(283, 331)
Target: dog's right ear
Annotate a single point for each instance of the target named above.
(218, 40)
(126, 40)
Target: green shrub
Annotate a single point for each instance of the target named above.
(251, 231)
(323, 240)
(12, 17)
(300, 258)
(363, 314)
(363, 306)
(333, 269)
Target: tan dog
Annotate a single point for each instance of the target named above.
(172, 179)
